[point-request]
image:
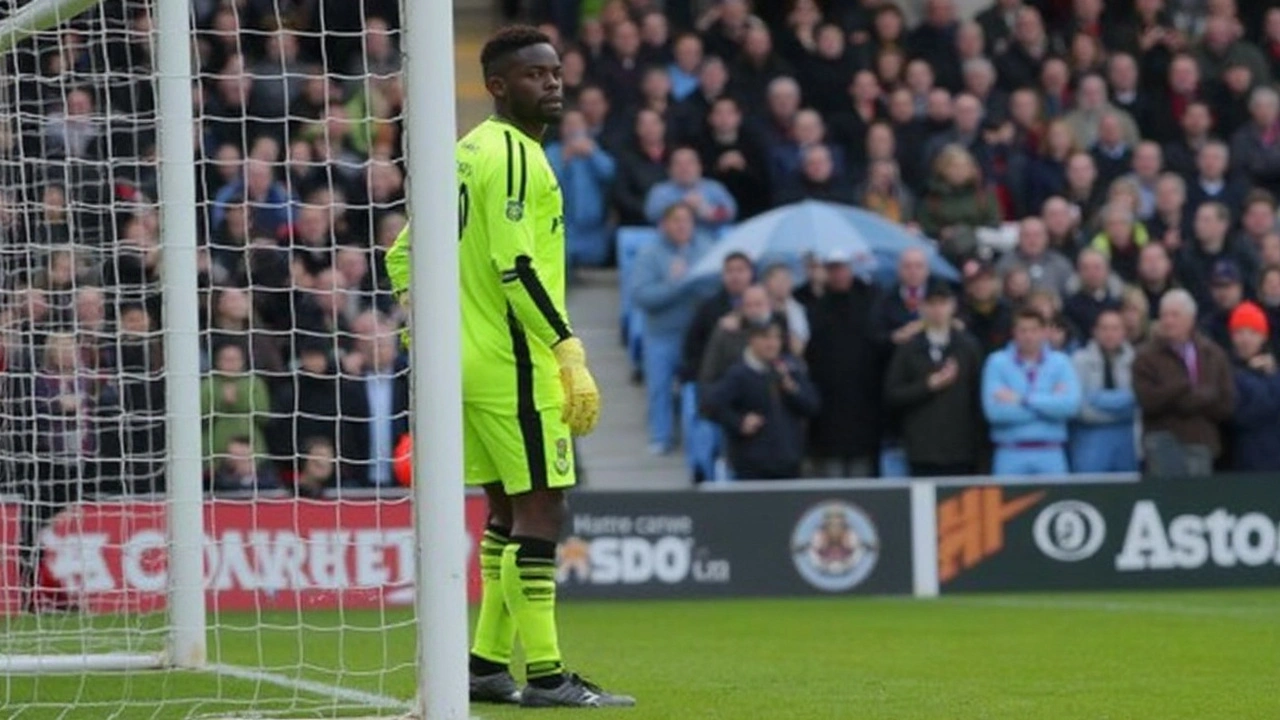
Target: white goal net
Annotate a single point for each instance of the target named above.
(302, 389)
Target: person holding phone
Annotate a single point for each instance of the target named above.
(763, 403)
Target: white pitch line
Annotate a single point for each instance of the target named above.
(313, 687)
(361, 697)
(1239, 612)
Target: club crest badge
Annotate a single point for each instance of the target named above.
(515, 210)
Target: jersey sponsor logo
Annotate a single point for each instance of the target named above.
(562, 456)
(515, 210)
(1069, 531)
(1190, 541)
(835, 546)
(971, 527)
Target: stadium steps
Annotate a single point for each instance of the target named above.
(615, 456)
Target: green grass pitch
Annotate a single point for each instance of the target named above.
(1113, 656)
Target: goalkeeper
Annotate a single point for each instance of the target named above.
(525, 385)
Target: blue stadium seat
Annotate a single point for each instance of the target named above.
(630, 241)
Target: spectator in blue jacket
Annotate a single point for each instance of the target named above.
(1029, 394)
(270, 202)
(686, 62)
(661, 288)
(763, 403)
(585, 172)
(1256, 420)
(712, 203)
(1103, 438)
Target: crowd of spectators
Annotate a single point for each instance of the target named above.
(300, 188)
(1133, 149)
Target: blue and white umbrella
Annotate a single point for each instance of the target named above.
(788, 233)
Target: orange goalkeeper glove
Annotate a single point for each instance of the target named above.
(581, 396)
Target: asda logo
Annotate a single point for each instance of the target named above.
(1188, 542)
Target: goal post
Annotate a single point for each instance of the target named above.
(37, 17)
(163, 165)
(185, 646)
(437, 364)
(178, 227)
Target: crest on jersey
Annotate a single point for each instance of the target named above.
(562, 456)
(515, 210)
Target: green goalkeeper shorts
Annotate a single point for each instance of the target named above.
(524, 452)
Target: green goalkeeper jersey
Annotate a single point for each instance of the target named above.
(511, 257)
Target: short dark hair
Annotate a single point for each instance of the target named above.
(1219, 209)
(677, 207)
(729, 99)
(1105, 312)
(763, 327)
(735, 256)
(508, 40)
(1027, 312)
(775, 268)
(1259, 195)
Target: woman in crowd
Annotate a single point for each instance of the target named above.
(233, 402)
(957, 204)
(232, 318)
(1135, 311)
(65, 405)
(884, 193)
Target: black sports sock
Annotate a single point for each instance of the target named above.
(481, 666)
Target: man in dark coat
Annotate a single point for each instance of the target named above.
(736, 274)
(732, 153)
(762, 403)
(987, 317)
(933, 384)
(843, 362)
(1213, 243)
(1185, 389)
(1097, 291)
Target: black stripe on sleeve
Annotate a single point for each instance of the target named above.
(511, 165)
(531, 435)
(524, 174)
(538, 292)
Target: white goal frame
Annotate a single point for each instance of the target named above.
(440, 536)
(186, 640)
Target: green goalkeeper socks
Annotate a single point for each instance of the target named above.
(495, 628)
(529, 584)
